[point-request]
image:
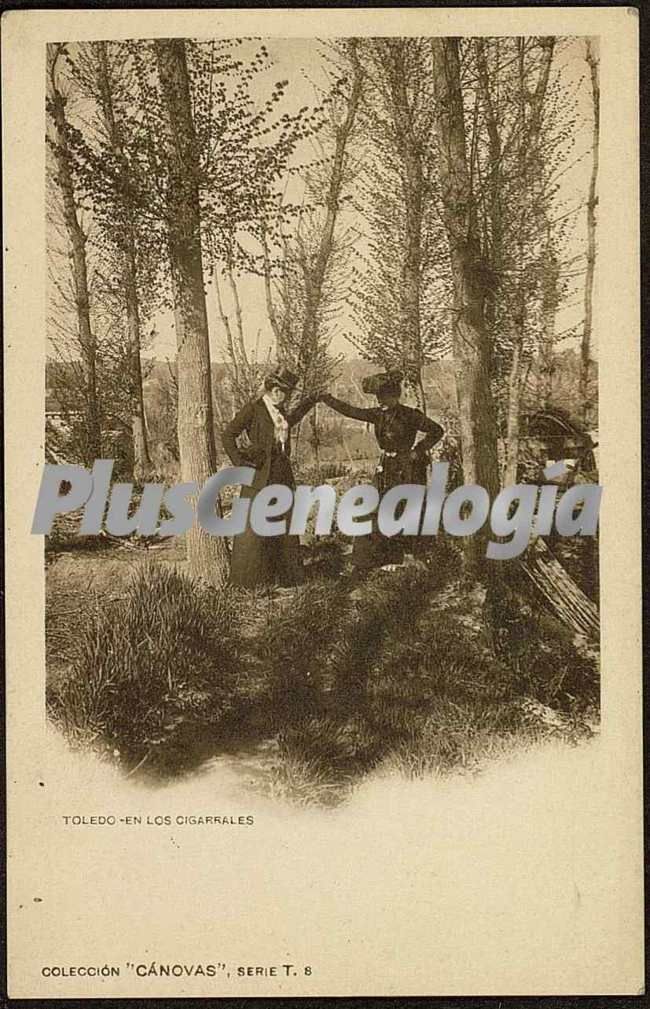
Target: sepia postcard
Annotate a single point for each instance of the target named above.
(323, 512)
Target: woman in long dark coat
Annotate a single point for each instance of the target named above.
(266, 560)
(402, 460)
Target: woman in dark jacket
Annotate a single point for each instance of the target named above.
(263, 560)
(403, 459)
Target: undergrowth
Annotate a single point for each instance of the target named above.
(403, 672)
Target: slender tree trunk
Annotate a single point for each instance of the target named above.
(412, 271)
(592, 203)
(230, 343)
(141, 458)
(127, 245)
(550, 302)
(315, 439)
(591, 548)
(513, 400)
(242, 374)
(470, 335)
(77, 238)
(494, 186)
(207, 555)
(410, 155)
(494, 246)
(241, 343)
(519, 322)
(531, 184)
(513, 408)
(270, 305)
(315, 276)
(236, 380)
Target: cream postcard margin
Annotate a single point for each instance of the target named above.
(384, 898)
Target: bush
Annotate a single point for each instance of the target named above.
(149, 664)
(548, 665)
(554, 671)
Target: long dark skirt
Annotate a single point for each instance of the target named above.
(375, 550)
(267, 560)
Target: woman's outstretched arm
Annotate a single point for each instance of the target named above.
(367, 414)
(295, 416)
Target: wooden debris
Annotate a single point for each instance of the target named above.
(565, 599)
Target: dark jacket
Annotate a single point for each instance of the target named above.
(396, 428)
(261, 560)
(254, 419)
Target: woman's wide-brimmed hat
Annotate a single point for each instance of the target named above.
(373, 384)
(284, 378)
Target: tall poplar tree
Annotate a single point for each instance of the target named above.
(207, 555)
(60, 146)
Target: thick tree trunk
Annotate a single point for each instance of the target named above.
(592, 203)
(77, 238)
(473, 369)
(470, 335)
(207, 555)
(127, 246)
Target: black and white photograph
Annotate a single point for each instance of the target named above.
(317, 500)
(329, 261)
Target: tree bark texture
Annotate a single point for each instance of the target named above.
(592, 203)
(77, 238)
(470, 334)
(207, 555)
